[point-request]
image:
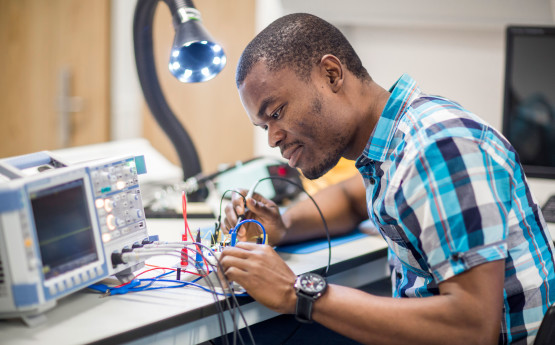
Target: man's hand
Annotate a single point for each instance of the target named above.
(259, 208)
(262, 272)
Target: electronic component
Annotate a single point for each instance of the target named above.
(59, 224)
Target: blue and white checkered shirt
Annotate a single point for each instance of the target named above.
(448, 193)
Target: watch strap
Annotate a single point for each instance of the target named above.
(303, 308)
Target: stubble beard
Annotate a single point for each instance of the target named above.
(330, 160)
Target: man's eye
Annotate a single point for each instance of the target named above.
(275, 115)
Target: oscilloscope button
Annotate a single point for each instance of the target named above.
(111, 222)
(69, 283)
(60, 286)
(99, 270)
(108, 205)
(106, 238)
(32, 261)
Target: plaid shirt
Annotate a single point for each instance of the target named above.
(448, 193)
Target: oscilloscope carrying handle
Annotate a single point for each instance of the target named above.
(13, 167)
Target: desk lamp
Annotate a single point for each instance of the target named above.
(194, 58)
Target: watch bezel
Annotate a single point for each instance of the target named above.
(300, 286)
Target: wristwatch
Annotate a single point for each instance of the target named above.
(308, 287)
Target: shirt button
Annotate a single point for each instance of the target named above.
(456, 256)
(372, 180)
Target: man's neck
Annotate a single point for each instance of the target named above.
(372, 100)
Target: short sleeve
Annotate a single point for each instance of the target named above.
(454, 199)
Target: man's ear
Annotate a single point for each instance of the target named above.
(332, 70)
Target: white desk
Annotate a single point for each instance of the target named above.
(183, 315)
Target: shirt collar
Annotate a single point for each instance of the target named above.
(402, 94)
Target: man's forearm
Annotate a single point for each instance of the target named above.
(343, 207)
(468, 311)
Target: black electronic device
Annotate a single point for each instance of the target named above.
(529, 97)
(548, 210)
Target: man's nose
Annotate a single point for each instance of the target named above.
(275, 136)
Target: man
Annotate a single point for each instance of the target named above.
(446, 191)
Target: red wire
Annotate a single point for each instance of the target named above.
(174, 269)
(186, 223)
(187, 229)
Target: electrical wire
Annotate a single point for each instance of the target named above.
(251, 191)
(221, 203)
(236, 228)
(233, 297)
(232, 306)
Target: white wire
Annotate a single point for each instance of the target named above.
(140, 254)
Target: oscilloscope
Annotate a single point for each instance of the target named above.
(60, 224)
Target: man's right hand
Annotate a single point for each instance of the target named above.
(259, 208)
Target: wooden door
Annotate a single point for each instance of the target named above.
(49, 46)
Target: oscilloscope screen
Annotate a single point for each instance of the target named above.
(64, 229)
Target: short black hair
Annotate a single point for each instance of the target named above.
(298, 41)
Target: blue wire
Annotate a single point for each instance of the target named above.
(152, 280)
(251, 221)
(193, 284)
(135, 286)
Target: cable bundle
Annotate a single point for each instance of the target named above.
(211, 263)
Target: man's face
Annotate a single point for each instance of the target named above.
(301, 118)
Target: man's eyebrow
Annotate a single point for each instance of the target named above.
(265, 103)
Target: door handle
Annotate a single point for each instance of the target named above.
(67, 105)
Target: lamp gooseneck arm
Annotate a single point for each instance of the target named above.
(144, 58)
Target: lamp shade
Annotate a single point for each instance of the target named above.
(195, 57)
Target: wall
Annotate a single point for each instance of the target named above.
(125, 89)
(452, 48)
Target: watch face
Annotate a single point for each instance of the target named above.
(311, 283)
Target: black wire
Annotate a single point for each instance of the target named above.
(211, 287)
(226, 301)
(221, 312)
(222, 200)
(292, 333)
(233, 307)
(219, 309)
(325, 273)
(232, 294)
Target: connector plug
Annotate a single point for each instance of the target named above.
(147, 241)
(116, 259)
